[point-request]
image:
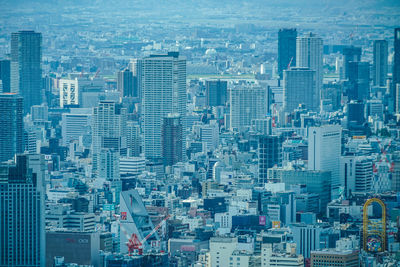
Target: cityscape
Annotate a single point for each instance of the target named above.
(174, 133)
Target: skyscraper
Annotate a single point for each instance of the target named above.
(269, 155)
(298, 88)
(350, 54)
(286, 49)
(5, 75)
(171, 139)
(358, 75)
(162, 81)
(133, 140)
(126, 83)
(109, 130)
(246, 104)
(309, 54)
(22, 222)
(69, 92)
(380, 64)
(396, 64)
(11, 130)
(26, 71)
(216, 93)
(324, 151)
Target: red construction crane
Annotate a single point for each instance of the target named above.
(290, 63)
(134, 244)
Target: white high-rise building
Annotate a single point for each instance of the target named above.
(247, 103)
(364, 174)
(75, 124)
(356, 174)
(298, 88)
(109, 130)
(324, 152)
(162, 83)
(309, 54)
(69, 92)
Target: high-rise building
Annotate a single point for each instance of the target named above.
(5, 75)
(109, 130)
(358, 75)
(309, 51)
(324, 151)
(396, 58)
(246, 104)
(316, 182)
(395, 186)
(75, 125)
(127, 83)
(216, 93)
(299, 88)
(396, 67)
(310, 237)
(135, 220)
(11, 121)
(356, 174)
(350, 54)
(26, 70)
(162, 81)
(133, 140)
(380, 64)
(69, 92)
(286, 49)
(171, 139)
(269, 155)
(22, 221)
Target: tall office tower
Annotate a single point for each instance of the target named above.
(350, 54)
(364, 174)
(286, 49)
(309, 54)
(26, 70)
(75, 125)
(133, 140)
(171, 139)
(396, 65)
(69, 92)
(397, 99)
(11, 129)
(246, 104)
(22, 221)
(358, 75)
(5, 75)
(162, 80)
(126, 83)
(298, 88)
(380, 64)
(324, 151)
(109, 130)
(356, 174)
(269, 155)
(395, 186)
(109, 164)
(355, 113)
(216, 93)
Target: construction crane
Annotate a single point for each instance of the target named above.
(97, 73)
(383, 156)
(290, 63)
(134, 244)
